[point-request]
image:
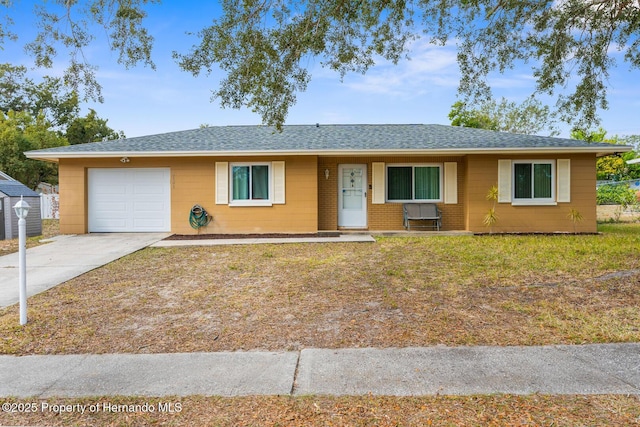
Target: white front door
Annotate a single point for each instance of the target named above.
(352, 196)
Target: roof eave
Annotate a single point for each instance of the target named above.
(598, 151)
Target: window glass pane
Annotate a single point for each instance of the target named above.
(240, 182)
(260, 182)
(352, 199)
(351, 178)
(427, 181)
(352, 188)
(522, 176)
(542, 181)
(399, 183)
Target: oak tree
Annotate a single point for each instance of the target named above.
(264, 46)
(90, 128)
(530, 117)
(20, 132)
(36, 115)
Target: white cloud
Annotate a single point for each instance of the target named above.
(516, 81)
(429, 65)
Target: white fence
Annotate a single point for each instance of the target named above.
(634, 184)
(50, 206)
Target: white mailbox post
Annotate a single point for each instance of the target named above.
(22, 210)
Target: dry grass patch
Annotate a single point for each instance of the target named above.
(50, 228)
(485, 290)
(500, 410)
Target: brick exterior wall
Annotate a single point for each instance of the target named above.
(386, 216)
(483, 173)
(193, 182)
(312, 199)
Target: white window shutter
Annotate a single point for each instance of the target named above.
(504, 181)
(564, 180)
(378, 183)
(222, 183)
(450, 183)
(278, 182)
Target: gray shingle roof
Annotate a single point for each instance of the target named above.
(16, 189)
(322, 138)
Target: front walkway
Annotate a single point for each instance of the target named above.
(342, 238)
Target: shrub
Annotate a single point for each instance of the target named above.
(615, 194)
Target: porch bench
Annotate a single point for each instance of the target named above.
(422, 212)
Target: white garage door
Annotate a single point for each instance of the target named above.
(134, 200)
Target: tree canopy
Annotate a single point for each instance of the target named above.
(20, 132)
(36, 115)
(90, 128)
(530, 117)
(54, 103)
(264, 46)
(614, 167)
(50, 97)
(460, 115)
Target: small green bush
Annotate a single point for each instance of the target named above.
(612, 194)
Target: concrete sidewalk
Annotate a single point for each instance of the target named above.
(342, 238)
(561, 369)
(66, 257)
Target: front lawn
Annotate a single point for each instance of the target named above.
(398, 292)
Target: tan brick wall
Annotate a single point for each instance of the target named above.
(298, 215)
(193, 182)
(386, 216)
(312, 200)
(327, 194)
(72, 177)
(483, 173)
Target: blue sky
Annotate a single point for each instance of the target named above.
(141, 101)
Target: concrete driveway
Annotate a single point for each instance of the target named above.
(66, 257)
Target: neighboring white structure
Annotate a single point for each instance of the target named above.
(50, 206)
(10, 192)
(46, 188)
